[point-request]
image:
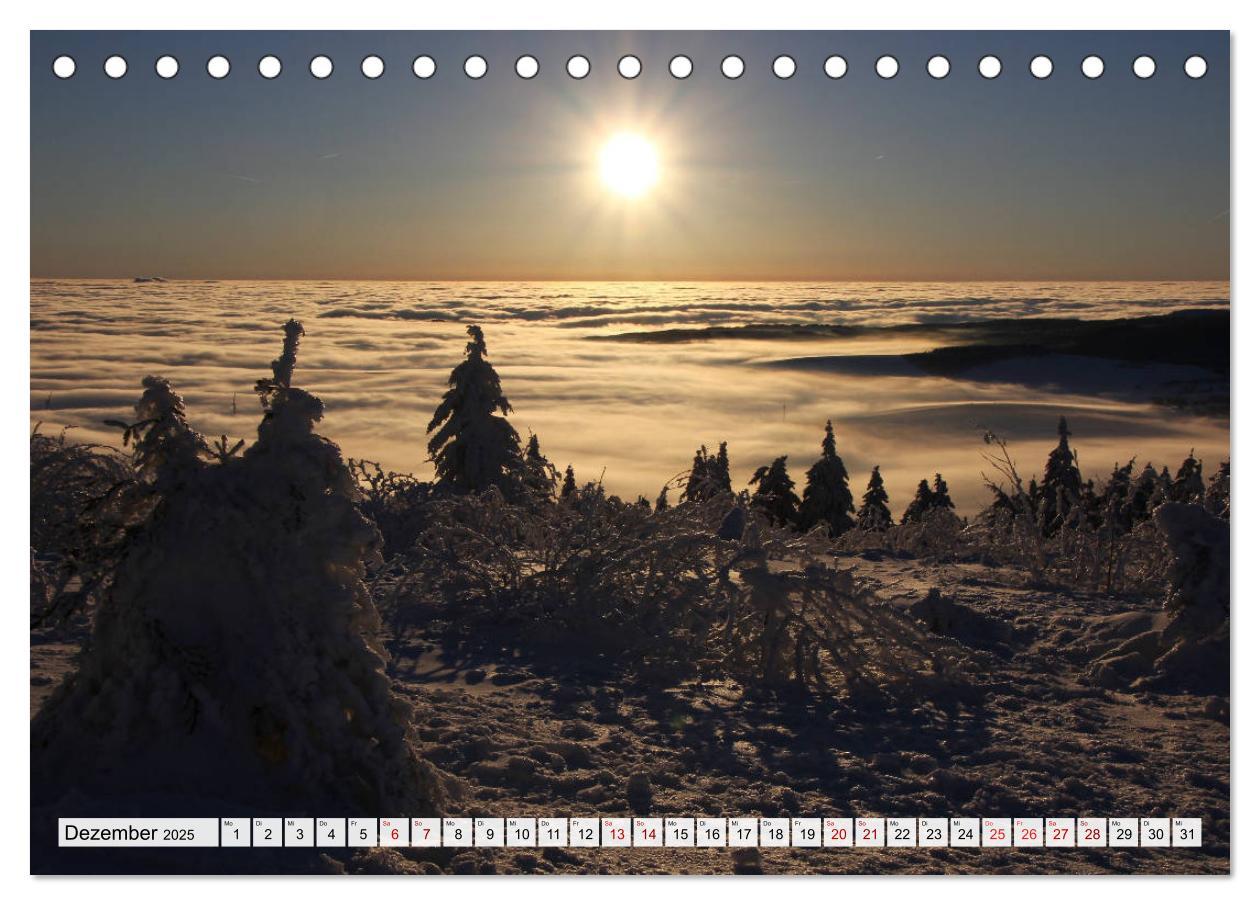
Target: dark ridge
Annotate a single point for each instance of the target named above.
(1198, 337)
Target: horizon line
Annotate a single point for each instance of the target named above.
(275, 279)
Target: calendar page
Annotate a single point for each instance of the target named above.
(629, 452)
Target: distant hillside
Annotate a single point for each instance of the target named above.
(1198, 337)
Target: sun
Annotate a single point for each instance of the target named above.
(628, 165)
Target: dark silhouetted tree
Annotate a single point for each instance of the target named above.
(662, 500)
(1142, 494)
(775, 495)
(471, 446)
(920, 505)
(827, 497)
(710, 476)
(940, 494)
(1188, 486)
(1216, 496)
(721, 470)
(1061, 485)
(697, 480)
(569, 487)
(874, 514)
(540, 474)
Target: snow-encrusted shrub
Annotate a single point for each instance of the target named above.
(936, 534)
(234, 656)
(670, 590)
(70, 535)
(393, 501)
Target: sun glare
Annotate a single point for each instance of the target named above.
(628, 165)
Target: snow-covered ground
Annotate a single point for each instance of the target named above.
(536, 733)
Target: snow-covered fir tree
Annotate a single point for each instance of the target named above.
(710, 476)
(1142, 494)
(775, 494)
(539, 474)
(874, 514)
(720, 470)
(693, 492)
(1061, 484)
(237, 631)
(472, 447)
(1216, 495)
(922, 503)
(1187, 486)
(827, 498)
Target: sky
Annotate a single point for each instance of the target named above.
(760, 178)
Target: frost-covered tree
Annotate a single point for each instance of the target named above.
(474, 448)
(1216, 496)
(1142, 494)
(1187, 486)
(922, 503)
(775, 494)
(1061, 484)
(710, 476)
(874, 514)
(827, 497)
(235, 653)
(539, 474)
(165, 448)
(720, 470)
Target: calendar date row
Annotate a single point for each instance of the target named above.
(637, 832)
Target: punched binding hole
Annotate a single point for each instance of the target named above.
(629, 67)
(732, 67)
(423, 67)
(1195, 66)
(578, 67)
(990, 66)
(269, 66)
(115, 67)
(166, 67)
(527, 67)
(63, 67)
(680, 67)
(372, 66)
(835, 66)
(321, 66)
(886, 67)
(1144, 67)
(784, 67)
(218, 67)
(938, 66)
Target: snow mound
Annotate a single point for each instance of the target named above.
(1191, 653)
